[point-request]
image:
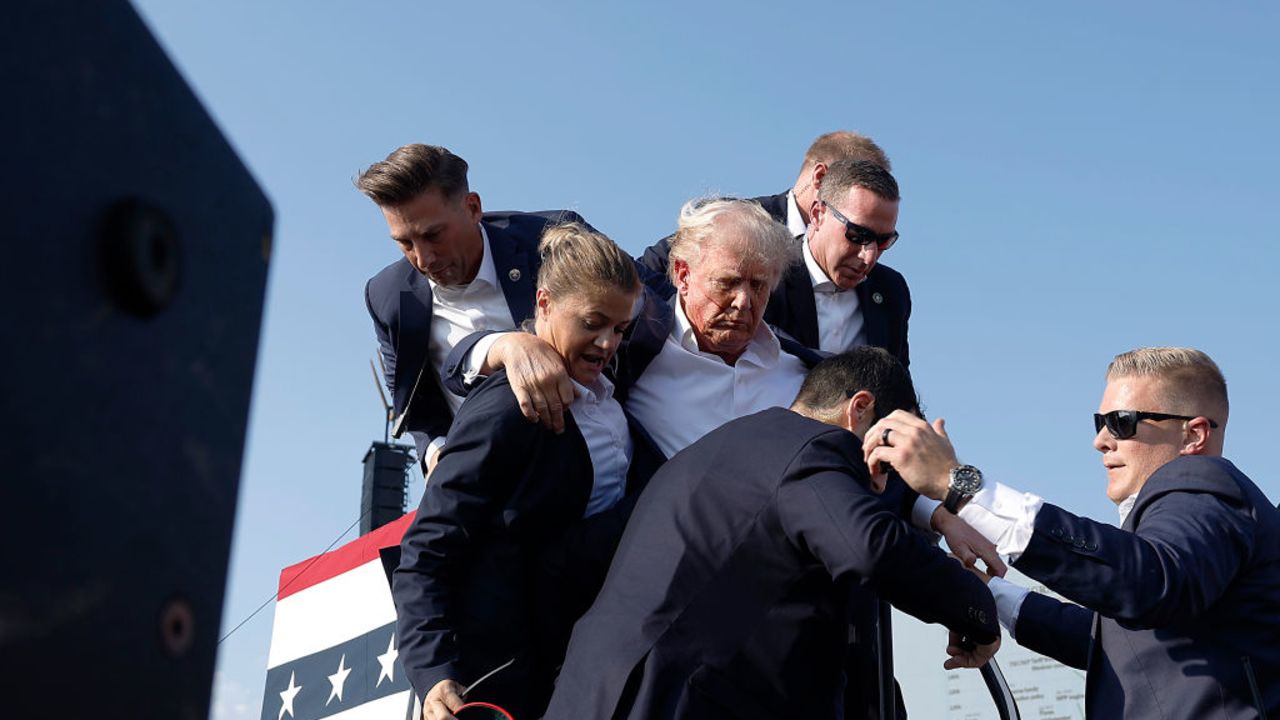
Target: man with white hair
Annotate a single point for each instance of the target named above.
(717, 356)
(1179, 608)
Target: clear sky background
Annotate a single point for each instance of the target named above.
(1078, 179)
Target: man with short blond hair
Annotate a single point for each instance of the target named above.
(1179, 609)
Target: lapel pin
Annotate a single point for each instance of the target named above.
(877, 298)
(514, 274)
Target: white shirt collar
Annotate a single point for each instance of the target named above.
(763, 349)
(795, 220)
(1126, 506)
(595, 393)
(486, 274)
(818, 276)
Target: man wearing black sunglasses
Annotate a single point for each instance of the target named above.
(1181, 605)
(841, 285)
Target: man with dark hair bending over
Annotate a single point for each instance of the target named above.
(462, 271)
(729, 594)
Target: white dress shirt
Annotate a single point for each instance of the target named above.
(604, 427)
(459, 310)
(686, 393)
(1007, 518)
(795, 221)
(839, 315)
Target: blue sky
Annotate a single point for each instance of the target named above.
(1078, 179)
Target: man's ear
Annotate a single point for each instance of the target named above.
(816, 213)
(471, 203)
(819, 172)
(681, 273)
(1195, 436)
(859, 412)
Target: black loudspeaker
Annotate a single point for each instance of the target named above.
(134, 264)
(385, 486)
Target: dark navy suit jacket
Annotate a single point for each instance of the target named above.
(1183, 617)
(883, 297)
(499, 561)
(399, 301)
(729, 594)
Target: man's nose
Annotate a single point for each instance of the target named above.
(607, 339)
(869, 253)
(1102, 440)
(419, 256)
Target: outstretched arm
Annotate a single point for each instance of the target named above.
(1060, 630)
(1195, 528)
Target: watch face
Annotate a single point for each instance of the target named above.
(966, 479)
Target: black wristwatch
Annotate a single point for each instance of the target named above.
(966, 481)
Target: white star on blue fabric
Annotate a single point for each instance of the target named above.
(337, 680)
(387, 661)
(286, 698)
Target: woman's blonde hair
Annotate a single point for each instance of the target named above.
(576, 258)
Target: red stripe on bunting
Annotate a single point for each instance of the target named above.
(316, 570)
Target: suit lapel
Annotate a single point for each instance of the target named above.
(411, 347)
(800, 310)
(875, 323)
(643, 341)
(514, 273)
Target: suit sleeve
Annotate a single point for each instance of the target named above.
(472, 482)
(656, 256)
(829, 513)
(453, 372)
(1188, 546)
(1054, 628)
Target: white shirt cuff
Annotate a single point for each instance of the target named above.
(473, 361)
(1009, 597)
(1004, 516)
(436, 445)
(922, 512)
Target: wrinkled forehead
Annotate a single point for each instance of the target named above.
(730, 254)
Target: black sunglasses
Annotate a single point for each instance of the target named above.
(859, 235)
(1123, 424)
